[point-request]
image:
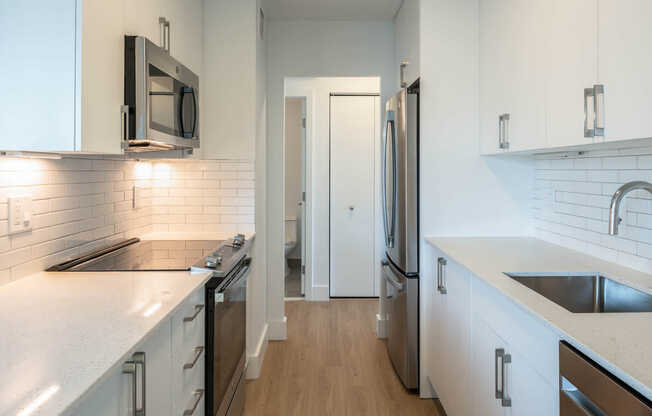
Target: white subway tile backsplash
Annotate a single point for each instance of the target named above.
(213, 196)
(571, 199)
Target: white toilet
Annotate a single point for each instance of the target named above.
(292, 238)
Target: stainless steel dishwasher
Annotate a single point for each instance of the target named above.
(586, 389)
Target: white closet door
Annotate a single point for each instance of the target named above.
(354, 132)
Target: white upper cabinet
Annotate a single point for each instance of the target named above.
(37, 111)
(512, 111)
(63, 90)
(496, 40)
(185, 20)
(407, 39)
(99, 127)
(571, 65)
(566, 73)
(625, 66)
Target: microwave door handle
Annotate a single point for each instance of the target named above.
(194, 111)
(182, 129)
(184, 91)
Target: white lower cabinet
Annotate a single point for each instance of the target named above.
(503, 381)
(450, 335)
(480, 347)
(166, 369)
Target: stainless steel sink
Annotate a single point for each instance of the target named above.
(586, 293)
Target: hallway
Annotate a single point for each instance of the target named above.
(331, 364)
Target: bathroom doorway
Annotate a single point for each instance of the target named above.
(295, 197)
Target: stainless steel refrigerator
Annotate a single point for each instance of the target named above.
(400, 269)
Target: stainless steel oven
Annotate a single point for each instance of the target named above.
(161, 99)
(226, 330)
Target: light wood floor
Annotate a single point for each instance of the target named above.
(331, 364)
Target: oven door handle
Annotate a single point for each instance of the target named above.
(243, 272)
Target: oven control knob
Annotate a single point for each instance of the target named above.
(213, 261)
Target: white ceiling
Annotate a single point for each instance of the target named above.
(331, 9)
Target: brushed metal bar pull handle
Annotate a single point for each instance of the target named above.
(439, 275)
(500, 354)
(506, 401)
(442, 285)
(199, 393)
(167, 36)
(589, 112)
(198, 308)
(506, 131)
(198, 352)
(598, 110)
(124, 122)
(131, 368)
(161, 24)
(500, 131)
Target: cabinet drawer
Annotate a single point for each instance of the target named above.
(188, 353)
(188, 325)
(187, 384)
(534, 342)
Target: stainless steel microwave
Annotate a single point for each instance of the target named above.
(161, 99)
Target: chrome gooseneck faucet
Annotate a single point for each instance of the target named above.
(614, 208)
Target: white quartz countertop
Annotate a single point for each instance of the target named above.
(62, 332)
(620, 342)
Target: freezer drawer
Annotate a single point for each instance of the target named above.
(402, 302)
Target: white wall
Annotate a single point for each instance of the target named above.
(407, 39)
(309, 49)
(462, 193)
(293, 156)
(257, 314)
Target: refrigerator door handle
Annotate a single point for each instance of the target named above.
(389, 228)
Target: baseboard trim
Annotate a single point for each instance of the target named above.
(381, 327)
(278, 330)
(255, 361)
(320, 294)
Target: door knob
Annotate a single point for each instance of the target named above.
(351, 207)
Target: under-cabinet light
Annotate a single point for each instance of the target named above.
(30, 155)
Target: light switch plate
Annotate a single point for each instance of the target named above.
(20, 214)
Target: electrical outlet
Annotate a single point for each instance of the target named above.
(20, 214)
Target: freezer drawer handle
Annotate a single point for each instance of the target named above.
(388, 273)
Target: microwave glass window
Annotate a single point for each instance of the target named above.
(172, 104)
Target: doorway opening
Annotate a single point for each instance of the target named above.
(295, 197)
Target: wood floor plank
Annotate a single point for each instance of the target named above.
(331, 364)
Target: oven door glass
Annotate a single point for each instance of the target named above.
(230, 316)
(173, 105)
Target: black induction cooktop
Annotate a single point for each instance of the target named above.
(148, 255)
